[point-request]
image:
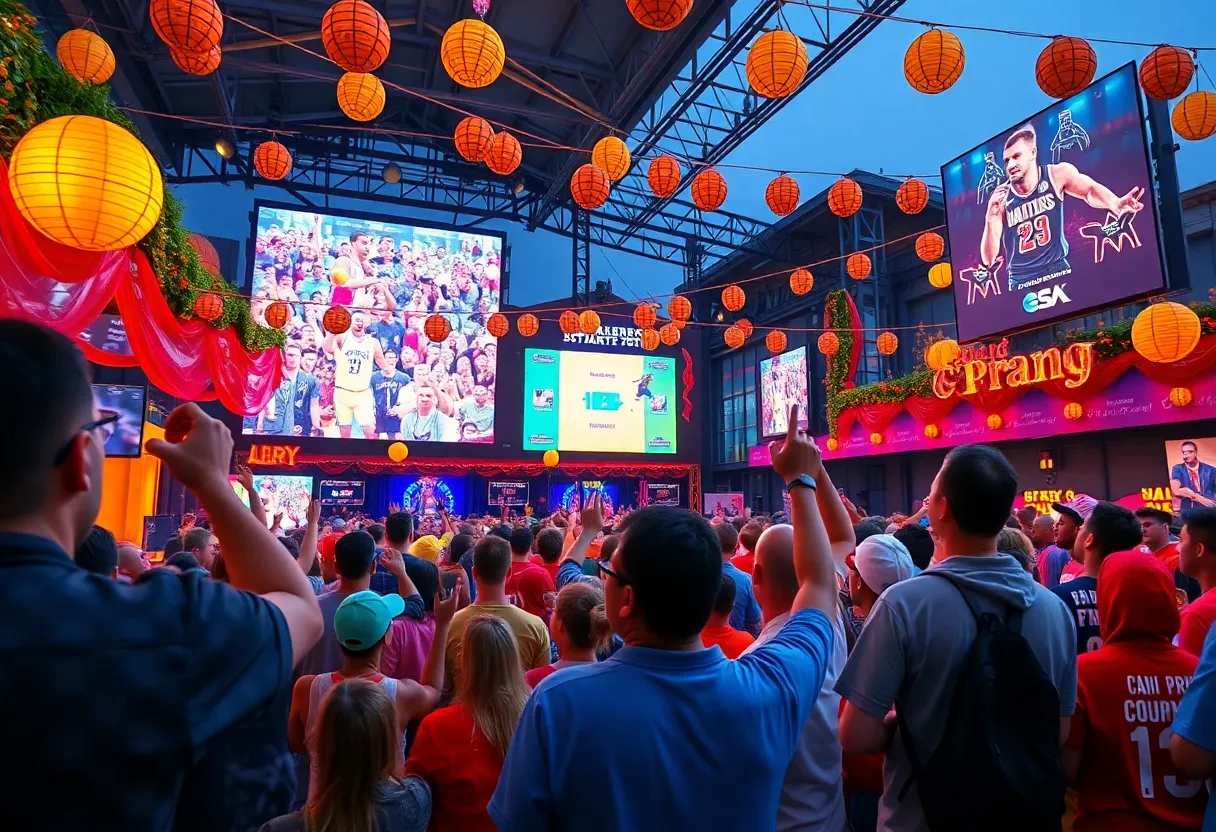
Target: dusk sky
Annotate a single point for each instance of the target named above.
(860, 114)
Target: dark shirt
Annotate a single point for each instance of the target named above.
(390, 334)
(304, 390)
(422, 572)
(1080, 595)
(118, 688)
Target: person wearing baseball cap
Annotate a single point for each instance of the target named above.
(1056, 565)
(880, 561)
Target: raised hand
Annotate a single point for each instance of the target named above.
(996, 202)
(1130, 201)
(445, 609)
(592, 517)
(391, 560)
(244, 475)
(798, 454)
(314, 511)
(196, 448)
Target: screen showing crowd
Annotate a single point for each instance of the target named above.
(783, 383)
(383, 378)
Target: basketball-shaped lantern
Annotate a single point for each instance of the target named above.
(1181, 396)
(934, 61)
(472, 137)
(336, 320)
(746, 326)
(272, 160)
(829, 343)
(277, 314)
(930, 246)
(360, 95)
(208, 306)
(887, 343)
(588, 321)
(436, 328)
(612, 157)
(644, 316)
(781, 195)
(940, 275)
(941, 354)
(85, 56)
(733, 297)
(659, 15)
(679, 308)
(589, 187)
(775, 341)
(187, 25)
(472, 53)
(355, 36)
(568, 321)
(504, 154)
(844, 197)
(1194, 116)
(995, 421)
(832, 444)
(1166, 332)
(550, 459)
(876, 438)
(1065, 67)
(708, 190)
(197, 63)
(734, 337)
(858, 266)
(776, 64)
(669, 334)
(86, 182)
(801, 281)
(1166, 72)
(528, 324)
(1073, 411)
(498, 325)
(208, 257)
(663, 176)
(398, 451)
(932, 431)
(650, 339)
(912, 195)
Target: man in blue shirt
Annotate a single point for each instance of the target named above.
(690, 740)
(746, 614)
(1193, 745)
(117, 688)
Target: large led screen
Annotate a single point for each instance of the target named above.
(592, 401)
(383, 378)
(1054, 217)
(127, 402)
(783, 383)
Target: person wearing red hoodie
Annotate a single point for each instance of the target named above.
(1117, 755)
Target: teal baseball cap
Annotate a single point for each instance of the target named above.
(363, 618)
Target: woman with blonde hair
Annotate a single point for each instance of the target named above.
(359, 787)
(459, 749)
(1015, 542)
(579, 627)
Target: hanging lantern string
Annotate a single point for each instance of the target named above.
(209, 123)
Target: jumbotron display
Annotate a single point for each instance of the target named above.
(383, 378)
(783, 383)
(593, 401)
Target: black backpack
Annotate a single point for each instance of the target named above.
(998, 764)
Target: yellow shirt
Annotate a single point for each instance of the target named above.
(530, 632)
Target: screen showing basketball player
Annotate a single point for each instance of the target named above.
(1054, 217)
(378, 376)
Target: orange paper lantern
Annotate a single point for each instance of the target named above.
(336, 320)
(277, 314)
(941, 354)
(208, 306)
(1180, 396)
(504, 154)
(398, 451)
(801, 281)
(733, 298)
(208, 257)
(360, 96)
(708, 190)
(858, 266)
(498, 325)
(272, 160)
(669, 335)
(734, 337)
(664, 176)
(472, 53)
(644, 316)
(678, 324)
(472, 137)
(776, 64)
(1166, 72)
(588, 321)
(355, 36)
(934, 61)
(829, 343)
(745, 326)
(887, 343)
(995, 421)
(940, 275)
(1065, 67)
(187, 25)
(1194, 117)
(197, 63)
(876, 438)
(612, 157)
(679, 308)
(844, 197)
(1166, 332)
(436, 328)
(659, 15)
(528, 324)
(568, 321)
(1073, 411)
(775, 341)
(650, 339)
(930, 246)
(85, 56)
(832, 443)
(781, 195)
(550, 458)
(912, 196)
(589, 187)
(932, 431)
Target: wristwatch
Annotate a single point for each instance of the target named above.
(803, 481)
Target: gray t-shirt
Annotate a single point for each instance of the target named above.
(913, 644)
(401, 806)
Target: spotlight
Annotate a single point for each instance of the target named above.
(518, 185)
(225, 148)
(391, 173)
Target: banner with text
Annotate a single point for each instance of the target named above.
(341, 492)
(508, 492)
(663, 493)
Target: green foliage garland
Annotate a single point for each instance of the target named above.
(34, 88)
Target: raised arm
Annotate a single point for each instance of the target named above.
(994, 225)
(1074, 183)
(592, 524)
(245, 477)
(308, 546)
(836, 520)
(421, 697)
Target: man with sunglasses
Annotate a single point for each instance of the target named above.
(673, 744)
(116, 688)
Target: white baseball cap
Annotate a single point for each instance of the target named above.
(881, 560)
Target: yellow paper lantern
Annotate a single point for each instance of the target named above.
(801, 281)
(612, 157)
(829, 344)
(589, 187)
(550, 459)
(932, 431)
(272, 160)
(398, 451)
(940, 275)
(588, 322)
(361, 95)
(776, 64)
(650, 339)
(832, 443)
(472, 53)
(197, 63)
(775, 341)
(934, 61)
(86, 182)
(733, 297)
(1194, 117)
(995, 421)
(85, 56)
(1166, 332)
(858, 266)
(876, 438)
(669, 335)
(844, 197)
(1180, 397)
(887, 343)
(187, 25)
(355, 36)
(644, 316)
(781, 195)
(941, 354)
(664, 176)
(504, 154)
(528, 324)
(1073, 411)
(659, 15)
(472, 137)
(912, 195)
(733, 336)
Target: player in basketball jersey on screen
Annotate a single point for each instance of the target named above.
(643, 384)
(356, 354)
(1026, 213)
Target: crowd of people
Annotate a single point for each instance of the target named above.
(820, 669)
(384, 378)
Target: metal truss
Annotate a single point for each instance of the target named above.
(580, 289)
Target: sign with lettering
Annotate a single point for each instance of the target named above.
(991, 367)
(508, 492)
(663, 493)
(273, 455)
(607, 336)
(1042, 498)
(341, 492)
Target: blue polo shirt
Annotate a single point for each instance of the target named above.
(1196, 717)
(746, 613)
(685, 740)
(113, 690)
